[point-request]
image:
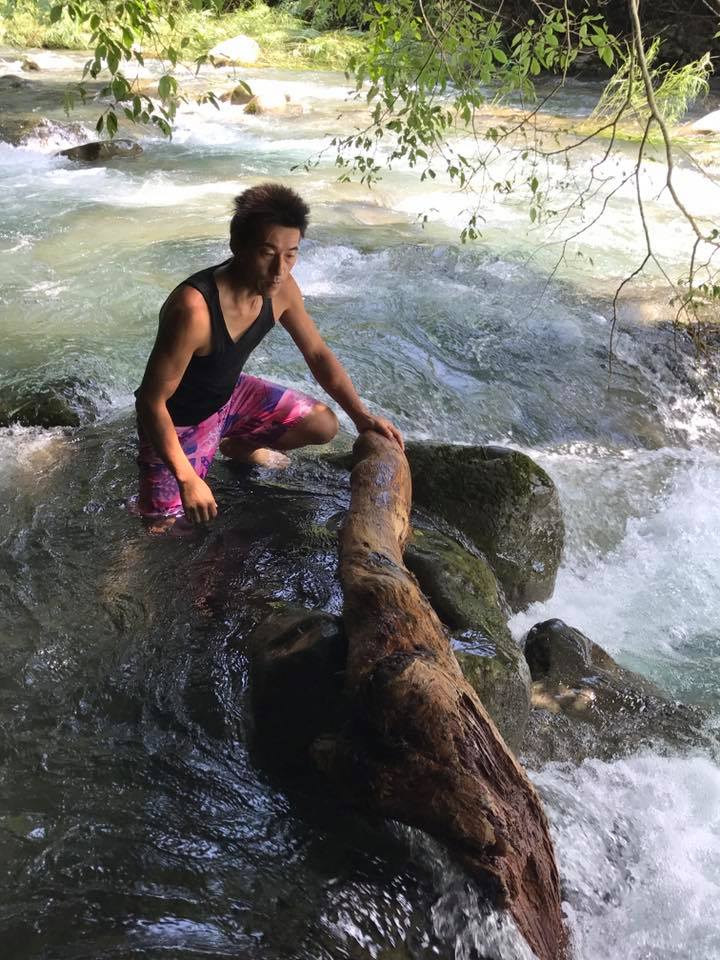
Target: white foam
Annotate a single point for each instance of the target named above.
(27, 448)
(638, 846)
(655, 590)
(328, 271)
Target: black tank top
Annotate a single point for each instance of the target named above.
(209, 381)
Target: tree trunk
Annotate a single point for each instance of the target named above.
(417, 745)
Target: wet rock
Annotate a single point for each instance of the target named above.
(238, 96)
(585, 704)
(504, 502)
(297, 663)
(21, 129)
(465, 595)
(102, 150)
(66, 402)
(234, 52)
(274, 103)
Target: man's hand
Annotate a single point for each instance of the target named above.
(380, 425)
(197, 500)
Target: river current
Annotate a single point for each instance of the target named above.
(132, 820)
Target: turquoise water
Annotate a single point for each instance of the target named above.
(133, 822)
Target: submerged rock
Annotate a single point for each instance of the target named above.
(504, 502)
(586, 704)
(465, 594)
(66, 402)
(11, 81)
(21, 129)
(297, 663)
(234, 52)
(102, 150)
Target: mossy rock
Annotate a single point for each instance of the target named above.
(460, 585)
(501, 500)
(586, 704)
(499, 676)
(66, 402)
(465, 595)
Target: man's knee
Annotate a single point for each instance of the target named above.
(321, 424)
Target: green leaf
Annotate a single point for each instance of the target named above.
(56, 13)
(166, 87)
(111, 124)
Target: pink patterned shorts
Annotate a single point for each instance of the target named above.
(258, 411)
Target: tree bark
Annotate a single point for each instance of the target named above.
(417, 745)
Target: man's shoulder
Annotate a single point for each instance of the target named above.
(185, 304)
(185, 318)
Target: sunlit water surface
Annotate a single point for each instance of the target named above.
(133, 821)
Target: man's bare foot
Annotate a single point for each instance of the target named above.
(270, 459)
(169, 526)
(256, 457)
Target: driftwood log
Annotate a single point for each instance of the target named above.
(417, 744)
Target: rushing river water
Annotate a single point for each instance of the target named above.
(132, 821)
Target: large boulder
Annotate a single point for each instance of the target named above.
(234, 52)
(502, 501)
(100, 150)
(66, 402)
(297, 662)
(586, 704)
(465, 595)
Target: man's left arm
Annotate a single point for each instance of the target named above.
(325, 366)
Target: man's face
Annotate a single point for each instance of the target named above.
(273, 257)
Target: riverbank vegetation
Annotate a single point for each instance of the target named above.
(286, 39)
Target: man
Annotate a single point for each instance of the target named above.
(194, 397)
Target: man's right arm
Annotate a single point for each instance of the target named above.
(184, 329)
